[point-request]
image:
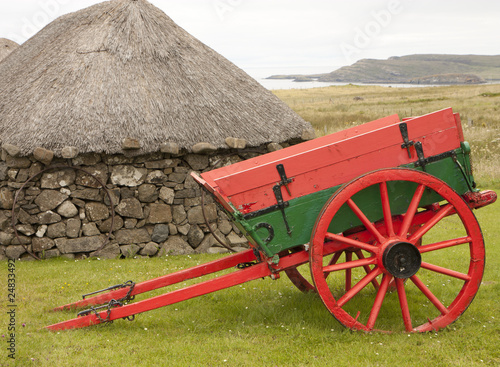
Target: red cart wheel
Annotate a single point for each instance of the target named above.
(441, 255)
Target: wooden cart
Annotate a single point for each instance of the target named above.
(364, 217)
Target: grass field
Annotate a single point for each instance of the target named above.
(336, 108)
(266, 322)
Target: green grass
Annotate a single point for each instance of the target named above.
(260, 323)
(336, 108)
(265, 322)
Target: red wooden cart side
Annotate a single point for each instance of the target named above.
(334, 159)
(368, 209)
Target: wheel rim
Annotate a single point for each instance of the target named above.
(432, 293)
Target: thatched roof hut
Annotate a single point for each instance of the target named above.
(123, 69)
(6, 47)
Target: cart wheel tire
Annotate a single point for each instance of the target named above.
(429, 296)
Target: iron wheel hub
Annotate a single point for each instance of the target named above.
(402, 259)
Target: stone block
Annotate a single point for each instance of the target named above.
(81, 244)
(25, 229)
(160, 233)
(73, 226)
(177, 177)
(236, 241)
(236, 143)
(56, 180)
(195, 215)
(110, 251)
(90, 229)
(203, 148)
(21, 240)
(197, 162)
(186, 193)
(11, 149)
(3, 171)
(42, 244)
(150, 249)
(128, 176)
(105, 226)
(161, 164)
(308, 134)
(115, 197)
(170, 148)
(272, 147)
(156, 177)
(160, 213)
(87, 194)
(183, 229)
(225, 226)
(56, 230)
(49, 254)
(130, 144)
(48, 217)
(98, 172)
(87, 159)
(195, 236)
(17, 162)
(69, 152)
(130, 223)
(210, 241)
(147, 193)
(130, 208)
(179, 214)
(43, 155)
(167, 195)
(129, 236)
(67, 209)
(96, 211)
(175, 246)
(14, 252)
(129, 250)
(6, 198)
(6, 238)
(50, 199)
(117, 159)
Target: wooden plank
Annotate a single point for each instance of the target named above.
(333, 160)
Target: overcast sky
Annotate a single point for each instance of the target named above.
(289, 33)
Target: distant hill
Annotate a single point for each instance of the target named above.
(413, 69)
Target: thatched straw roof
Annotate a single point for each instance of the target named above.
(6, 47)
(123, 69)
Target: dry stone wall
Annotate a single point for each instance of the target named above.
(66, 212)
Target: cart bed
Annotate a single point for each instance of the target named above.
(315, 169)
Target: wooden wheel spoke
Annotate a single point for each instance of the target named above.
(359, 286)
(430, 296)
(364, 219)
(349, 265)
(351, 242)
(445, 271)
(367, 268)
(386, 208)
(445, 244)
(403, 303)
(348, 272)
(426, 227)
(412, 210)
(333, 261)
(382, 291)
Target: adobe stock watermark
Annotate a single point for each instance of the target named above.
(11, 309)
(48, 11)
(225, 7)
(380, 19)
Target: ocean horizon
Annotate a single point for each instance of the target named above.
(261, 74)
